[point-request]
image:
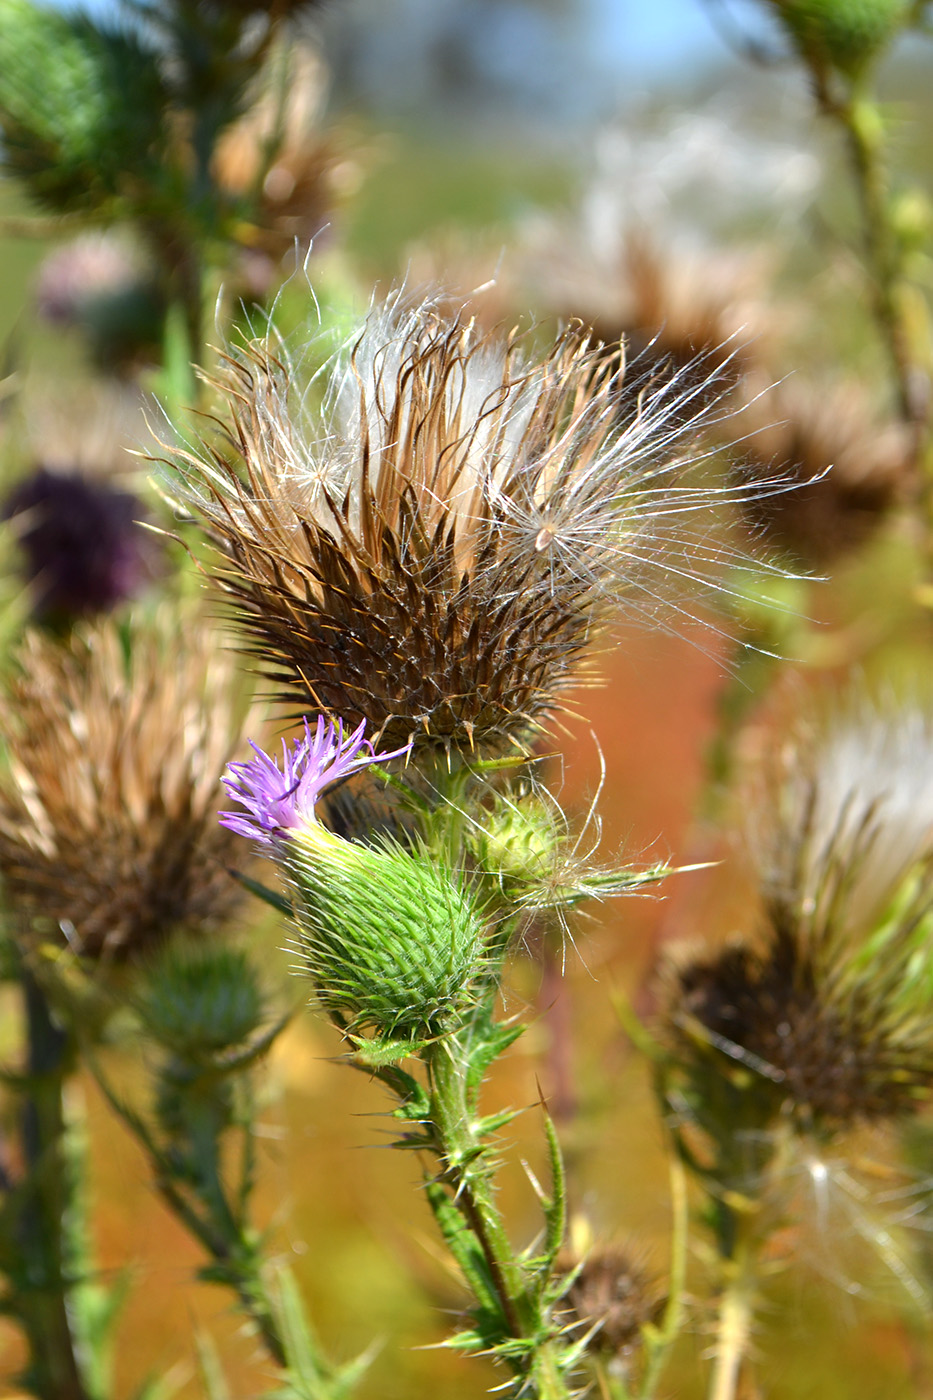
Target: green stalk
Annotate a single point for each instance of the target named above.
(736, 1313)
(58, 1364)
(462, 1154)
(465, 1171)
(659, 1346)
(861, 123)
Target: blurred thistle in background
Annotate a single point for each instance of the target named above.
(822, 1023)
(115, 743)
(84, 544)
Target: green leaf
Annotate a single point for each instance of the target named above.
(555, 1210)
(466, 1250)
(481, 1041)
(277, 901)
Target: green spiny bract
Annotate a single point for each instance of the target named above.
(200, 1001)
(841, 34)
(389, 940)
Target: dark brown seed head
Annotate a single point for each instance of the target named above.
(108, 810)
(613, 1296)
(829, 1016)
(831, 1060)
(437, 557)
(849, 469)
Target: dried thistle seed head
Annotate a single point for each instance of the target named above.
(850, 470)
(768, 1016)
(108, 808)
(437, 556)
(612, 1297)
(679, 313)
(830, 1015)
(841, 827)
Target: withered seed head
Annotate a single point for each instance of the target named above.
(108, 811)
(613, 1296)
(436, 557)
(850, 469)
(830, 1016)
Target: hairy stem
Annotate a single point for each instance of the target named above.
(461, 1155)
(467, 1174)
(861, 123)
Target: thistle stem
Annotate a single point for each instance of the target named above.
(734, 1326)
(238, 1264)
(461, 1151)
(861, 124)
(660, 1347)
(45, 1308)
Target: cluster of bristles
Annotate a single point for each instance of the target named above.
(108, 815)
(438, 550)
(825, 1017)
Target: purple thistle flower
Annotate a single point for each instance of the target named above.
(279, 799)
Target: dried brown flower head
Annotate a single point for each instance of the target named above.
(108, 810)
(830, 1016)
(613, 1296)
(850, 469)
(681, 312)
(437, 555)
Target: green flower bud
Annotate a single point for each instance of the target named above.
(389, 940)
(517, 843)
(841, 34)
(199, 1001)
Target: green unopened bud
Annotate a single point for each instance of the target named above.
(841, 34)
(389, 940)
(199, 1001)
(517, 843)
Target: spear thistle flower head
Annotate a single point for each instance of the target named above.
(388, 938)
(280, 799)
(437, 548)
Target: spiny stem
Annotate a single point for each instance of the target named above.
(222, 1239)
(860, 121)
(461, 1151)
(457, 1142)
(673, 1313)
(57, 1365)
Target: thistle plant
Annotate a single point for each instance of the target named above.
(109, 849)
(776, 1048)
(432, 555)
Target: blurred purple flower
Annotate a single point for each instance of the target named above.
(78, 273)
(84, 548)
(280, 799)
